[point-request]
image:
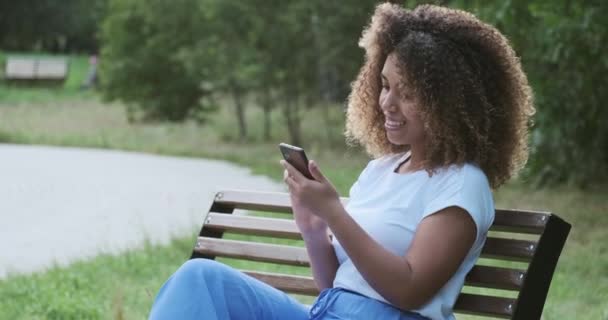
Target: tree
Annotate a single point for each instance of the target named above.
(50, 25)
(563, 50)
(145, 57)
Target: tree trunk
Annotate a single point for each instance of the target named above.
(327, 122)
(237, 95)
(267, 110)
(290, 112)
(296, 136)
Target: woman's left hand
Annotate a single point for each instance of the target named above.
(318, 195)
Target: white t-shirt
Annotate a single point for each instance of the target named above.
(389, 206)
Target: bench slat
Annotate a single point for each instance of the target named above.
(288, 283)
(36, 68)
(485, 305)
(56, 69)
(271, 227)
(508, 249)
(307, 286)
(260, 201)
(20, 68)
(519, 221)
(495, 278)
(263, 252)
(467, 303)
(480, 276)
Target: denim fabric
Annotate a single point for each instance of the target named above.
(338, 303)
(204, 289)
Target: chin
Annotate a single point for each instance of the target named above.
(397, 141)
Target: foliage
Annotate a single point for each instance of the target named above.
(563, 50)
(142, 60)
(50, 25)
(303, 54)
(571, 138)
(295, 50)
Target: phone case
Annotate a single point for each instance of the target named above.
(296, 157)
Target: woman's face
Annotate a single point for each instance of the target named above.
(399, 104)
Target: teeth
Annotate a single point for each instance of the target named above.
(394, 123)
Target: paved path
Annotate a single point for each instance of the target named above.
(58, 205)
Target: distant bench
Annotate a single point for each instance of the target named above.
(33, 69)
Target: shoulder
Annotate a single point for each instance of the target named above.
(467, 176)
(465, 186)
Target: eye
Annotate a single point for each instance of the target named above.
(407, 95)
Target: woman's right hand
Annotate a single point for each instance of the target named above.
(314, 230)
(307, 221)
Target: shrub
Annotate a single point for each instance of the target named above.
(142, 64)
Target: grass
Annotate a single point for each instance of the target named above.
(123, 286)
(84, 121)
(107, 287)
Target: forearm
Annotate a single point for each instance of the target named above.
(323, 260)
(390, 275)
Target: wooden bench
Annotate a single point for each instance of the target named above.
(32, 69)
(511, 280)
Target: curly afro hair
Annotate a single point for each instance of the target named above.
(476, 103)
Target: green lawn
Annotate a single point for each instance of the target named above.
(123, 286)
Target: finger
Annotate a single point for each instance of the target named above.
(293, 172)
(315, 171)
(288, 179)
(291, 184)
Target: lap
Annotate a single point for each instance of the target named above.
(338, 303)
(206, 289)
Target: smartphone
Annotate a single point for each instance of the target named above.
(296, 157)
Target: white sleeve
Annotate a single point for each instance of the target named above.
(465, 187)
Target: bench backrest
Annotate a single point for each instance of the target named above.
(18, 68)
(510, 281)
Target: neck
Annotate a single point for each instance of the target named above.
(415, 161)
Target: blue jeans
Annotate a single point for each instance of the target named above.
(208, 290)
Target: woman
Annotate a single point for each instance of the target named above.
(443, 106)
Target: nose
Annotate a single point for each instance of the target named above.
(387, 103)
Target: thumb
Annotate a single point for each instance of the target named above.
(315, 171)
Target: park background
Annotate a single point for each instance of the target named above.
(230, 79)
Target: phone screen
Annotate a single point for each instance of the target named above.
(296, 157)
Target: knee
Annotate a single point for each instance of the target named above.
(200, 268)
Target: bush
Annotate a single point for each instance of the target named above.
(50, 25)
(562, 46)
(142, 57)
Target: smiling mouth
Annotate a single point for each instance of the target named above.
(393, 125)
